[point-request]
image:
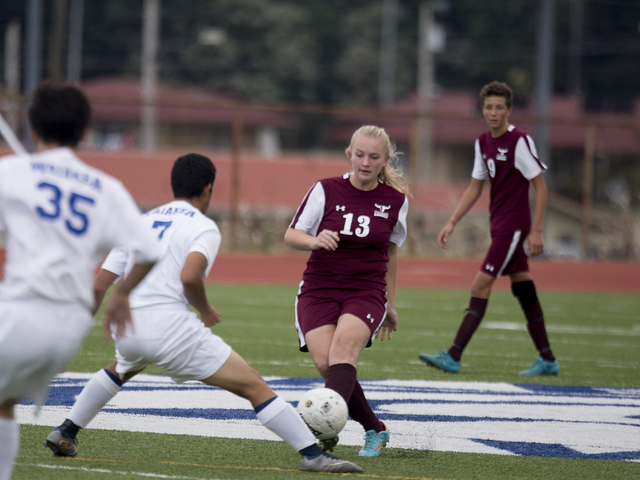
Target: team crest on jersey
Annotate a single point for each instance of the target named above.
(382, 211)
(502, 154)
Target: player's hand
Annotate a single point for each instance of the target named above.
(326, 239)
(389, 325)
(536, 244)
(443, 236)
(117, 315)
(210, 317)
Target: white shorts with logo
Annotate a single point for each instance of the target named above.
(174, 339)
(38, 339)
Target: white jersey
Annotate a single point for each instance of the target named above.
(61, 217)
(180, 229)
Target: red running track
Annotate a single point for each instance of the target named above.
(430, 273)
(605, 277)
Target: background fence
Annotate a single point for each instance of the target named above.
(269, 156)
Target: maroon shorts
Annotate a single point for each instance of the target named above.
(506, 254)
(316, 307)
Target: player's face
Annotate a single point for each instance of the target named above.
(496, 114)
(367, 157)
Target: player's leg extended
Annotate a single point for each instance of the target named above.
(480, 290)
(351, 337)
(236, 376)
(9, 439)
(103, 386)
(524, 290)
(449, 360)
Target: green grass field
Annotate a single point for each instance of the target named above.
(595, 337)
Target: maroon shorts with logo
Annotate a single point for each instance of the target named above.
(316, 307)
(506, 254)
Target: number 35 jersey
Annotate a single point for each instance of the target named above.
(61, 217)
(366, 221)
(509, 161)
(179, 229)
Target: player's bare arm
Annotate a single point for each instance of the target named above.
(117, 312)
(103, 281)
(469, 198)
(300, 240)
(192, 278)
(536, 243)
(390, 323)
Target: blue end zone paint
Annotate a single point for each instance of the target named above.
(532, 449)
(530, 420)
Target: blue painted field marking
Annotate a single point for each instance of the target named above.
(473, 417)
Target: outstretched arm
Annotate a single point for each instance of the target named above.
(469, 198)
(536, 244)
(301, 240)
(193, 283)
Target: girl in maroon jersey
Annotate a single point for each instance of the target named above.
(353, 226)
(506, 157)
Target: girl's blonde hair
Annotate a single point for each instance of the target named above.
(390, 173)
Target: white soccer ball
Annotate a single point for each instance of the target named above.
(324, 411)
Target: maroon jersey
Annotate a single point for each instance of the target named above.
(366, 223)
(509, 162)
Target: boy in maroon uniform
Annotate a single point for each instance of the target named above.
(353, 226)
(507, 157)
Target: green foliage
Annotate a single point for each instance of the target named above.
(328, 52)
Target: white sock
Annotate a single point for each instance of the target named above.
(94, 396)
(9, 446)
(282, 419)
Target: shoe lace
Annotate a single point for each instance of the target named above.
(370, 440)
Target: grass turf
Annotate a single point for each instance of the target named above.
(594, 336)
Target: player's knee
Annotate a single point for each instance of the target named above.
(526, 294)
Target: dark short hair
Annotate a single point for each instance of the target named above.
(60, 114)
(190, 174)
(497, 89)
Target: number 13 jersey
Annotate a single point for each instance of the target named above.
(366, 221)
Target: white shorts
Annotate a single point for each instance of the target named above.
(38, 339)
(173, 339)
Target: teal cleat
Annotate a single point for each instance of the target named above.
(441, 360)
(373, 442)
(542, 367)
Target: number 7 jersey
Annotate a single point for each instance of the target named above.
(366, 221)
(61, 217)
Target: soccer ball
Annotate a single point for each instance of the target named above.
(324, 411)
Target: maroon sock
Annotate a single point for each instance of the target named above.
(341, 377)
(526, 294)
(360, 411)
(538, 333)
(471, 321)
